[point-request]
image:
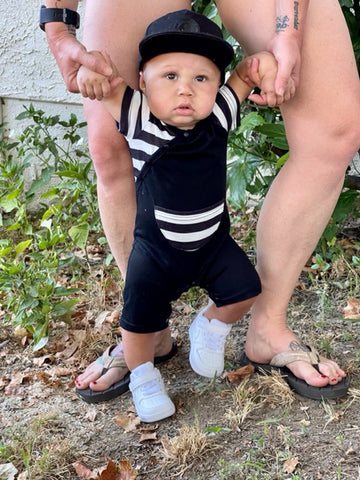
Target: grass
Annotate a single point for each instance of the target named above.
(182, 451)
(255, 429)
(29, 449)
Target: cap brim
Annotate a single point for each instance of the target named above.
(214, 48)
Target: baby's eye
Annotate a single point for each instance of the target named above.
(171, 76)
(200, 78)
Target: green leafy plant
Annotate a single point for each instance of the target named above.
(256, 151)
(44, 222)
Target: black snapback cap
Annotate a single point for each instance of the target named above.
(189, 32)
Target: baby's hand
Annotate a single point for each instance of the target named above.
(262, 71)
(94, 85)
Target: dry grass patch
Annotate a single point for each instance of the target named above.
(331, 413)
(277, 391)
(246, 399)
(354, 394)
(352, 367)
(180, 453)
(257, 392)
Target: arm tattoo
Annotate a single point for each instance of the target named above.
(281, 23)
(296, 15)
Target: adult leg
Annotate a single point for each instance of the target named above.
(323, 132)
(116, 27)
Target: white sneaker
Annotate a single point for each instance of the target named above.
(150, 398)
(207, 345)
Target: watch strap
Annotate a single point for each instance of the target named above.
(64, 15)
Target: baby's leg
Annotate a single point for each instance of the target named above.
(138, 348)
(151, 400)
(208, 333)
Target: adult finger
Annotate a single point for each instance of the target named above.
(94, 63)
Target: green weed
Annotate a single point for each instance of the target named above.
(30, 451)
(38, 265)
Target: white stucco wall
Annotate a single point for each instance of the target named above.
(28, 72)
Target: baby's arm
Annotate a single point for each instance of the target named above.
(109, 91)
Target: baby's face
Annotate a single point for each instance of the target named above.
(180, 87)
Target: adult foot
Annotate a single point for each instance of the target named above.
(94, 378)
(265, 340)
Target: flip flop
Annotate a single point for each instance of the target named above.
(311, 356)
(122, 386)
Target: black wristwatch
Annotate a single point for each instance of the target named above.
(64, 15)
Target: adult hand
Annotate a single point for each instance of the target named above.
(94, 85)
(70, 54)
(286, 50)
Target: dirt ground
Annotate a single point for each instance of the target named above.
(253, 429)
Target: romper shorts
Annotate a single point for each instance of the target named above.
(156, 277)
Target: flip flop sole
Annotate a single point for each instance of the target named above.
(118, 388)
(300, 386)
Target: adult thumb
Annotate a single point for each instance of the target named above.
(95, 63)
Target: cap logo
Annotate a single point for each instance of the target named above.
(188, 25)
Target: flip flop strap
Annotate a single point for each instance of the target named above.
(285, 358)
(111, 362)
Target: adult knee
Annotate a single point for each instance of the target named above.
(352, 136)
(108, 148)
(110, 155)
(324, 143)
(344, 139)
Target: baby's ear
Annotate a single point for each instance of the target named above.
(141, 81)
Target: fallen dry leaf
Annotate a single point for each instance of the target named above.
(3, 382)
(126, 472)
(237, 375)
(44, 360)
(101, 318)
(151, 436)
(13, 390)
(17, 378)
(111, 471)
(290, 464)
(83, 471)
(148, 432)
(91, 414)
(187, 310)
(58, 372)
(128, 422)
(20, 331)
(149, 428)
(352, 309)
(68, 351)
